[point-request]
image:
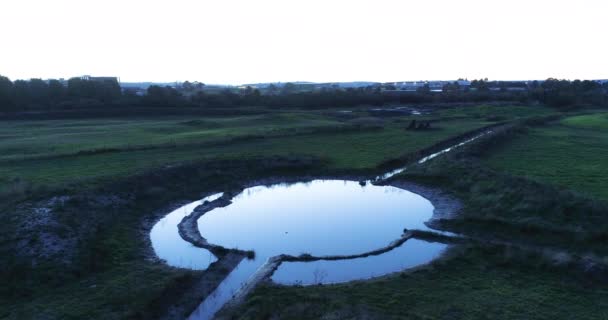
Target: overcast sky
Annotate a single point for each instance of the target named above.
(248, 41)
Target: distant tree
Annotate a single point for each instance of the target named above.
(79, 88)
(162, 97)
(187, 86)
(288, 88)
(21, 91)
(104, 91)
(272, 89)
(425, 89)
(558, 93)
(481, 85)
(107, 90)
(57, 91)
(6, 94)
(199, 98)
(38, 91)
(248, 90)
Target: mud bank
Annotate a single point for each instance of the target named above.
(188, 229)
(445, 205)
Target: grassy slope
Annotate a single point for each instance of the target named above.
(571, 153)
(486, 283)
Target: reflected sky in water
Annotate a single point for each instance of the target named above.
(322, 217)
(328, 217)
(226, 290)
(410, 254)
(169, 245)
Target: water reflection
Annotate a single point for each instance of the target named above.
(169, 245)
(318, 217)
(434, 155)
(226, 290)
(410, 254)
(431, 156)
(322, 217)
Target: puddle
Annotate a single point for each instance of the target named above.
(431, 156)
(434, 155)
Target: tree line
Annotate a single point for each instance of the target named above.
(76, 93)
(37, 94)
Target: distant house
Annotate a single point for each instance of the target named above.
(100, 79)
(413, 86)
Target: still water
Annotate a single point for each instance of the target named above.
(410, 254)
(321, 218)
(169, 245)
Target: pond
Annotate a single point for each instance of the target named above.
(169, 245)
(410, 254)
(320, 218)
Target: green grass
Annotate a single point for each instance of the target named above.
(500, 113)
(589, 121)
(21, 140)
(283, 135)
(477, 283)
(110, 295)
(46, 153)
(571, 153)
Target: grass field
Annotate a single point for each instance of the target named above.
(476, 283)
(22, 140)
(571, 153)
(496, 113)
(55, 152)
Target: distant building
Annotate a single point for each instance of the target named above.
(464, 83)
(413, 86)
(100, 79)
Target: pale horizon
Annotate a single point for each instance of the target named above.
(241, 42)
